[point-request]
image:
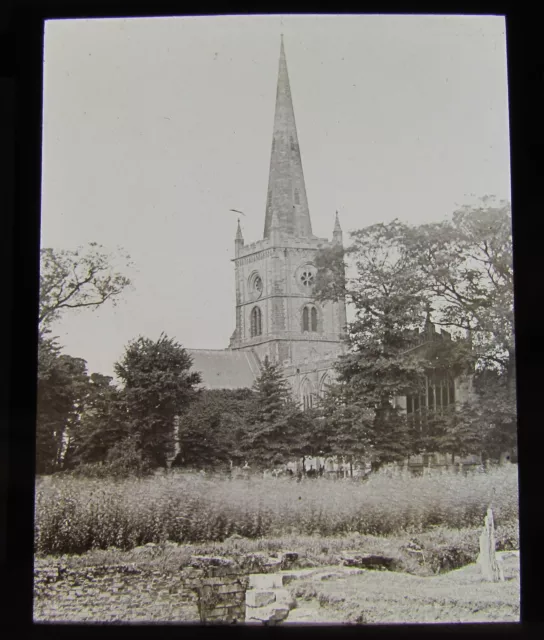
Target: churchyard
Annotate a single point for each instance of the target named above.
(121, 550)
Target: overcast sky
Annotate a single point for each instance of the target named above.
(155, 128)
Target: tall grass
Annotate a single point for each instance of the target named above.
(74, 515)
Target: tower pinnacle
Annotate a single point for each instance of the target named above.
(286, 188)
(337, 231)
(239, 235)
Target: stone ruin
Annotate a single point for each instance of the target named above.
(248, 590)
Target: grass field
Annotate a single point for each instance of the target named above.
(75, 515)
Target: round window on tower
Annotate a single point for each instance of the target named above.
(307, 279)
(255, 285)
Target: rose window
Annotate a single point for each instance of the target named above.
(258, 284)
(307, 278)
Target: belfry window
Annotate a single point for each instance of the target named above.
(309, 319)
(256, 322)
(313, 314)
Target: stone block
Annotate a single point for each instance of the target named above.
(274, 613)
(266, 581)
(258, 598)
(230, 588)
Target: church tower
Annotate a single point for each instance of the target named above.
(276, 315)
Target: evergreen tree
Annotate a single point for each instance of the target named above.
(273, 435)
(157, 386)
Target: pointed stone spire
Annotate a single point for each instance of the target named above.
(286, 189)
(337, 232)
(275, 229)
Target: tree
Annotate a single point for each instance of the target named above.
(274, 431)
(61, 389)
(157, 386)
(77, 279)
(213, 428)
(467, 265)
(101, 423)
(387, 295)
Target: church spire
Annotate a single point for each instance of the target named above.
(337, 231)
(286, 189)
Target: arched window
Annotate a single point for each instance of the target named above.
(306, 319)
(309, 319)
(325, 382)
(256, 322)
(307, 395)
(297, 196)
(314, 319)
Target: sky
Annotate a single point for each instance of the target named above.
(154, 128)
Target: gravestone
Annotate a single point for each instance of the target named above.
(489, 565)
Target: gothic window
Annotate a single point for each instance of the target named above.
(324, 385)
(314, 319)
(256, 322)
(309, 319)
(305, 319)
(307, 278)
(436, 394)
(297, 196)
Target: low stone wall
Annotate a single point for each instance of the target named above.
(210, 590)
(113, 593)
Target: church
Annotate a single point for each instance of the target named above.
(276, 316)
(275, 313)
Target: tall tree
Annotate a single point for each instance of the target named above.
(388, 297)
(158, 384)
(61, 390)
(467, 266)
(78, 279)
(274, 432)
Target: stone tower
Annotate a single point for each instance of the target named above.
(276, 315)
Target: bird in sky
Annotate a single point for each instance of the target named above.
(236, 211)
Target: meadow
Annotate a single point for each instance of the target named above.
(77, 515)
